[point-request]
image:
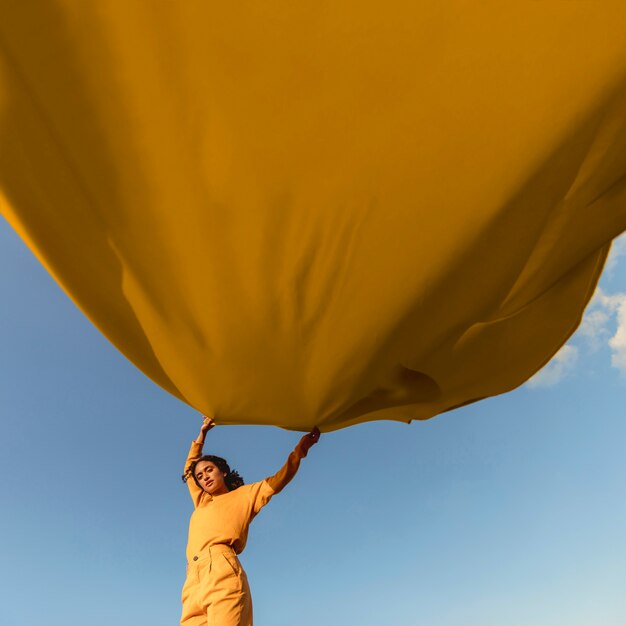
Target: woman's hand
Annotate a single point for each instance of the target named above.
(304, 445)
(207, 424)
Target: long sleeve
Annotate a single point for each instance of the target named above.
(195, 452)
(261, 493)
(286, 472)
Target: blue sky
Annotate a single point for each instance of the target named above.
(509, 511)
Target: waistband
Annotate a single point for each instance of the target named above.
(209, 551)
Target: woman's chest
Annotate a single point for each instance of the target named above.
(221, 515)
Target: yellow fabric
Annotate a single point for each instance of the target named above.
(216, 591)
(301, 213)
(225, 519)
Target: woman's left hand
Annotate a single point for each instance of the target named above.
(304, 445)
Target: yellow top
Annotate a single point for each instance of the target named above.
(225, 518)
(319, 212)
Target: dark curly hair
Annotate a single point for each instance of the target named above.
(232, 479)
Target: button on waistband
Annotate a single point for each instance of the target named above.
(195, 558)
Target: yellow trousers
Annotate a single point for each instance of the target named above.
(216, 591)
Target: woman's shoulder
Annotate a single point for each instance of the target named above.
(254, 490)
(251, 487)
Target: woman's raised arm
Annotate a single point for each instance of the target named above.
(195, 452)
(289, 469)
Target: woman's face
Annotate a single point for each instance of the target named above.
(210, 478)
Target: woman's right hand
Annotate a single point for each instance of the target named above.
(207, 424)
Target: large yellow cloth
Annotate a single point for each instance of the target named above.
(319, 212)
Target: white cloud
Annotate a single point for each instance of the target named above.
(595, 328)
(562, 364)
(603, 326)
(618, 340)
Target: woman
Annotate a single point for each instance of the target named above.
(216, 591)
